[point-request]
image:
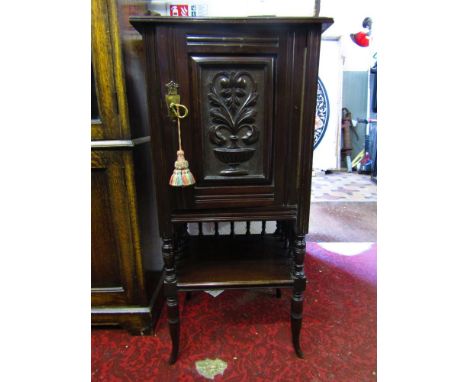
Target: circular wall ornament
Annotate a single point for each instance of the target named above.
(322, 113)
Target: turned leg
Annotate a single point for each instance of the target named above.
(174, 327)
(170, 291)
(297, 298)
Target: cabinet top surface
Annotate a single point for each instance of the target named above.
(254, 20)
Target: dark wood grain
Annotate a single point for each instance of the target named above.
(238, 214)
(307, 127)
(323, 22)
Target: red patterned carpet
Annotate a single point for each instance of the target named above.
(250, 330)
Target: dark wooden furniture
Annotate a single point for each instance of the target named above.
(250, 85)
(126, 282)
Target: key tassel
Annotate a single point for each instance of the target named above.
(182, 176)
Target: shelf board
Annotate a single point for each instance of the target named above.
(241, 214)
(223, 262)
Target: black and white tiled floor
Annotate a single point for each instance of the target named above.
(343, 208)
(343, 186)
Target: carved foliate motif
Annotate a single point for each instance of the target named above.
(232, 99)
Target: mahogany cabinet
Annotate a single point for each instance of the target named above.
(250, 87)
(126, 261)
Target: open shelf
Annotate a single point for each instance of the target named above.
(244, 261)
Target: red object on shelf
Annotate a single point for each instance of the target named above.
(360, 38)
(179, 10)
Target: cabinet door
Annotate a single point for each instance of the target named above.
(235, 138)
(113, 266)
(108, 109)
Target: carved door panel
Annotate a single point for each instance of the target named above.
(235, 99)
(233, 136)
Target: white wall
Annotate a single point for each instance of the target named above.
(348, 16)
(260, 7)
(230, 8)
(326, 155)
